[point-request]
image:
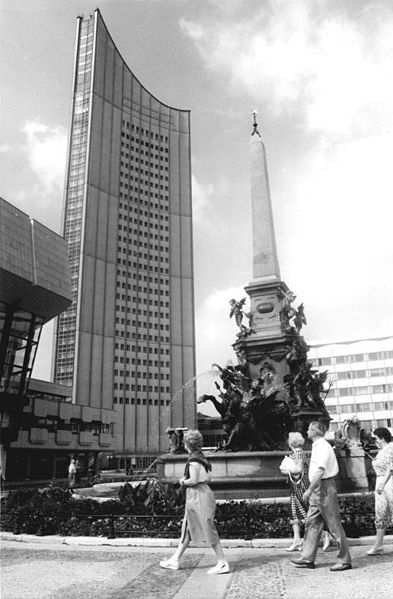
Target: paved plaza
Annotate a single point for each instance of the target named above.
(38, 568)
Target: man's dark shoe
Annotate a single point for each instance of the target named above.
(340, 567)
(300, 562)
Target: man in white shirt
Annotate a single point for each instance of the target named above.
(323, 503)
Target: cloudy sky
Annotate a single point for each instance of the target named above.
(320, 74)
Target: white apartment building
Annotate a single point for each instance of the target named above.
(361, 373)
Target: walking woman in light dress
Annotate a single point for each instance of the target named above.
(198, 523)
(383, 466)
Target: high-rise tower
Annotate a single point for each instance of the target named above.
(127, 342)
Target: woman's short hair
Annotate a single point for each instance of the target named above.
(193, 439)
(295, 440)
(383, 433)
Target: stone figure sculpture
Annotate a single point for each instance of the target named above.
(238, 312)
(293, 319)
(176, 444)
(350, 434)
(299, 319)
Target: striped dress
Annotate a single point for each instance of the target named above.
(299, 484)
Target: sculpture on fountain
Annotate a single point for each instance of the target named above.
(176, 442)
(256, 412)
(238, 312)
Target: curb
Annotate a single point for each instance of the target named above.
(160, 542)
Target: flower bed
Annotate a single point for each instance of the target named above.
(155, 510)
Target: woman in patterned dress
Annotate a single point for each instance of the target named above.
(383, 466)
(298, 482)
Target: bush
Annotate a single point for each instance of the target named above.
(152, 497)
(38, 512)
(250, 519)
(156, 509)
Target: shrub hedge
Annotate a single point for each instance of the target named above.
(155, 509)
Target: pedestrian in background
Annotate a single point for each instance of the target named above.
(383, 466)
(323, 503)
(198, 523)
(78, 472)
(71, 473)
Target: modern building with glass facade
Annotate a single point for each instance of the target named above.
(40, 428)
(361, 373)
(127, 341)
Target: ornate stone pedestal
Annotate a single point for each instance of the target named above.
(354, 467)
(355, 464)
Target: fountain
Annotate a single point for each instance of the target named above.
(273, 389)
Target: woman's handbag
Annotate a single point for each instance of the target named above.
(289, 466)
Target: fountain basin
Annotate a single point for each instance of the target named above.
(235, 475)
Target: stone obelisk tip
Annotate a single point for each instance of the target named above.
(265, 259)
(255, 124)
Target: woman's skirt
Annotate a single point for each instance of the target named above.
(199, 515)
(299, 507)
(384, 506)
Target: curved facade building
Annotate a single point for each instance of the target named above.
(127, 342)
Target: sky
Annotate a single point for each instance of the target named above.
(320, 75)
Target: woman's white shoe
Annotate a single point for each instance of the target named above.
(375, 551)
(295, 547)
(328, 542)
(170, 564)
(220, 568)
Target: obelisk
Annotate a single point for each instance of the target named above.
(269, 341)
(265, 260)
(272, 349)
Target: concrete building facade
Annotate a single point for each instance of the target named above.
(40, 427)
(361, 373)
(127, 341)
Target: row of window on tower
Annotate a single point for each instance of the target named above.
(143, 401)
(143, 301)
(143, 349)
(142, 362)
(143, 336)
(144, 132)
